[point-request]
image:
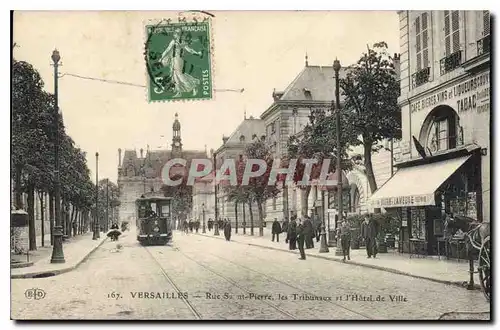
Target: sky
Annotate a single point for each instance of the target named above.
(254, 50)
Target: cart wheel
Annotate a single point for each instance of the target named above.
(484, 268)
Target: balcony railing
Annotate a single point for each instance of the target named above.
(420, 77)
(483, 45)
(451, 62)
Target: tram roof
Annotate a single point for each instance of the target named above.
(153, 198)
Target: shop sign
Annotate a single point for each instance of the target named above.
(471, 94)
(404, 201)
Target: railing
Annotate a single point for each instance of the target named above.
(451, 62)
(420, 77)
(483, 45)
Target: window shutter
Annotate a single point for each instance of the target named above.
(455, 26)
(447, 37)
(486, 23)
(413, 45)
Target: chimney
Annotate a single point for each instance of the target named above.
(142, 151)
(119, 157)
(397, 65)
(224, 139)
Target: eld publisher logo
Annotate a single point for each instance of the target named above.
(35, 294)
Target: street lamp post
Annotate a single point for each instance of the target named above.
(96, 222)
(57, 250)
(323, 246)
(216, 223)
(340, 205)
(204, 230)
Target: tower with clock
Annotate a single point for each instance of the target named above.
(176, 138)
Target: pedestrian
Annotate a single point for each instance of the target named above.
(197, 225)
(318, 232)
(369, 233)
(301, 238)
(284, 229)
(227, 230)
(276, 230)
(292, 234)
(345, 239)
(308, 232)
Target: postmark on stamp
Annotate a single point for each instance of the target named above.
(178, 61)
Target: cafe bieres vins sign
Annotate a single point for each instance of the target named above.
(471, 94)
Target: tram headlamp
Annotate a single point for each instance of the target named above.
(156, 229)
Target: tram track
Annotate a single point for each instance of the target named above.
(280, 310)
(224, 278)
(289, 285)
(186, 301)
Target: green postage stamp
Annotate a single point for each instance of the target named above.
(178, 61)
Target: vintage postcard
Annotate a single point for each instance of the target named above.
(251, 165)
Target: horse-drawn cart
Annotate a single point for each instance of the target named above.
(478, 234)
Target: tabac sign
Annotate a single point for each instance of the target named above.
(472, 93)
(403, 201)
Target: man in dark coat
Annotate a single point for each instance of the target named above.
(276, 230)
(369, 232)
(227, 230)
(210, 224)
(197, 226)
(284, 229)
(292, 234)
(345, 239)
(301, 237)
(318, 231)
(308, 232)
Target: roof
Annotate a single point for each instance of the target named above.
(248, 128)
(319, 81)
(313, 84)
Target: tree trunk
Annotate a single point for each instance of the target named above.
(369, 169)
(251, 216)
(236, 217)
(244, 218)
(31, 214)
(51, 218)
(18, 188)
(42, 216)
(70, 220)
(304, 195)
(261, 218)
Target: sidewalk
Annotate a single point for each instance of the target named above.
(451, 272)
(76, 250)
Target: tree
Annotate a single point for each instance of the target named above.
(371, 92)
(239, 194)
(319, 142)
(181, 194)
(258, 188)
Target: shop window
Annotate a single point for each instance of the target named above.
(418, 223)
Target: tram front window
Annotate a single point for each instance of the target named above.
(165, 210)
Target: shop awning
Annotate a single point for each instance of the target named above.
(415, 186)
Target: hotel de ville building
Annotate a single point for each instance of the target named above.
(444, 165)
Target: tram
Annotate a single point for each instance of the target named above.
(154, 220)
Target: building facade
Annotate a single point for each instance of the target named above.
(444, 166)
(289, 113)
(233, 147)
(143, 174)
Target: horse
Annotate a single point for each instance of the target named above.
(479, 238)
(476, 231)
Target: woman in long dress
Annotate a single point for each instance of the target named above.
(172, 57)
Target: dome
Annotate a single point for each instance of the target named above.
(177, 125)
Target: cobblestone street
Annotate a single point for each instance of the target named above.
(204, 278)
